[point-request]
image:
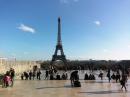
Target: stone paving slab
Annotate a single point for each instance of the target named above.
(62, 88)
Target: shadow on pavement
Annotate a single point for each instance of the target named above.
(66, 86)
(104, 92)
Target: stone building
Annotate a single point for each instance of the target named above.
(17, 65)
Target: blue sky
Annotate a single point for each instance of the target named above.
(91, 29)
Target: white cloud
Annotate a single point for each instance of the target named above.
(98, 23)
(26, 28)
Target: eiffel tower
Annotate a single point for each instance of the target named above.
(59, 47)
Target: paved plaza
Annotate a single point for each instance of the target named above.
(61, 88)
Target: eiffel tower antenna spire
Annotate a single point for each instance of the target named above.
(59, 32)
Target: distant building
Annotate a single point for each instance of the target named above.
(19, 66)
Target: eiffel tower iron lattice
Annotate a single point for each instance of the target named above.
(59, 47)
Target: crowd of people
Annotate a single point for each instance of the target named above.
(120, 78)
(74, 76)
(31, 75)
(89, 77)
(49, 74)
(53, 74)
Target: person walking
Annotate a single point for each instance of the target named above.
(117, 76)
(33, 74)
(39, 75)
(109, 75)
(123, 82)
(47, 74)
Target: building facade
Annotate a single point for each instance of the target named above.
(17, 65)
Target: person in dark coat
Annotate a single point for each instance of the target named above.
(39, 75)
(58, 77)
(123, 81)
(101, 75)
(109, 75)
(12, 75)
(33, 74)
(47, 74)
(26, 75)
(63, 77)
(117, 77)
(22, 76)
(113, 76)
(86, 76)
(74, 77)
(30, 75)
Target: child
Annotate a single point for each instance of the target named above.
(6, 80)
